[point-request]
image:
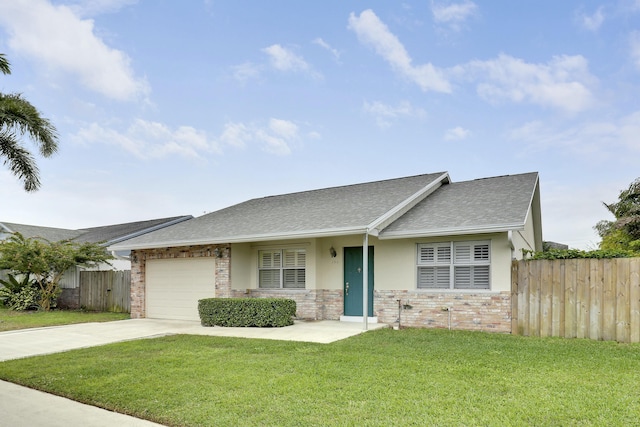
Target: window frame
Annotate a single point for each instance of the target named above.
(455, 261)
(287, 263)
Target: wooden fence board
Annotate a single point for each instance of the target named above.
(534, 299)
(569, 300)
(609, 302)
(106, 290)
(634, 300)
(584, 298)
(622, 301)
(596, 287)
(514, 296)
(546, 298)
(523, 298)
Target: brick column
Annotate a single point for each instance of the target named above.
(138, 264)
(223, 273)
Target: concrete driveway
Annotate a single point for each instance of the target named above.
(32, 342)
(22, 406)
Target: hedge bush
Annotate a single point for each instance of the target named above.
(578, 254)
(246, 312)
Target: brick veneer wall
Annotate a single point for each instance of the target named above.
(311, 304)
(489, 311)
(138, 270)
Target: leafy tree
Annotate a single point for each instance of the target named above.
(45, 262)
(19, 118)
(624, 231)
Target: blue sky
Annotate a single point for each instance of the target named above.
(167, 108)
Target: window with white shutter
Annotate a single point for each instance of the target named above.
(454, 265)
(282, 268)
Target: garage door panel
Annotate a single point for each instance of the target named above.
(174, 286)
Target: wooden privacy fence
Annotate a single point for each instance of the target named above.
(577, 298)
(106, 290)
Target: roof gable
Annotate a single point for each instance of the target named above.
(481, 205)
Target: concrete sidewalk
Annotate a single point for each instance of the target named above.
(22, 406)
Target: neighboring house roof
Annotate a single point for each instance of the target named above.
(395, 208)
(119, 232)
(108, 234)
(33, 231)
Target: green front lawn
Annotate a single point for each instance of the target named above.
(10, 320)
(381, 378)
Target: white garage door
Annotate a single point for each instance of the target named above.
(174, 286)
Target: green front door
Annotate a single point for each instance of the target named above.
(353, 284)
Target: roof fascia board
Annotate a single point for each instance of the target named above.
(147, 230)
(452, 231)
(397, 211)
(242, 239)
(533, 195)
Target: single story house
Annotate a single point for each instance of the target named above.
(104, 235)
(435, 253)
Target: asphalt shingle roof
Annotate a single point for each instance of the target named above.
(48, 233)
(335, 210)
(501, 201)
(109, 233)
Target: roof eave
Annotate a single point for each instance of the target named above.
(309, 234)
(409, 234)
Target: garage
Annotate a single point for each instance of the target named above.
(174, 286)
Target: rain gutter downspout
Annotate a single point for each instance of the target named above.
(365, 281)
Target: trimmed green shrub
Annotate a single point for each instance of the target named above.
(246, 312)
(578, 254)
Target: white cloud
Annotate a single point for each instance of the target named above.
(283, 128)
(57, 37)
(456, 134)
(278, 136)
(246, 71)
(283, 59)
(372, 32)
(453, 14)
(236, 135)
(592, 22)
(145, 139)
(328, 48)
(386, 114)
(561, 83)
(595, 139)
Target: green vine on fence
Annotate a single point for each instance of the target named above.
(579, 254)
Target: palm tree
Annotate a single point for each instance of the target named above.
(19, 118)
